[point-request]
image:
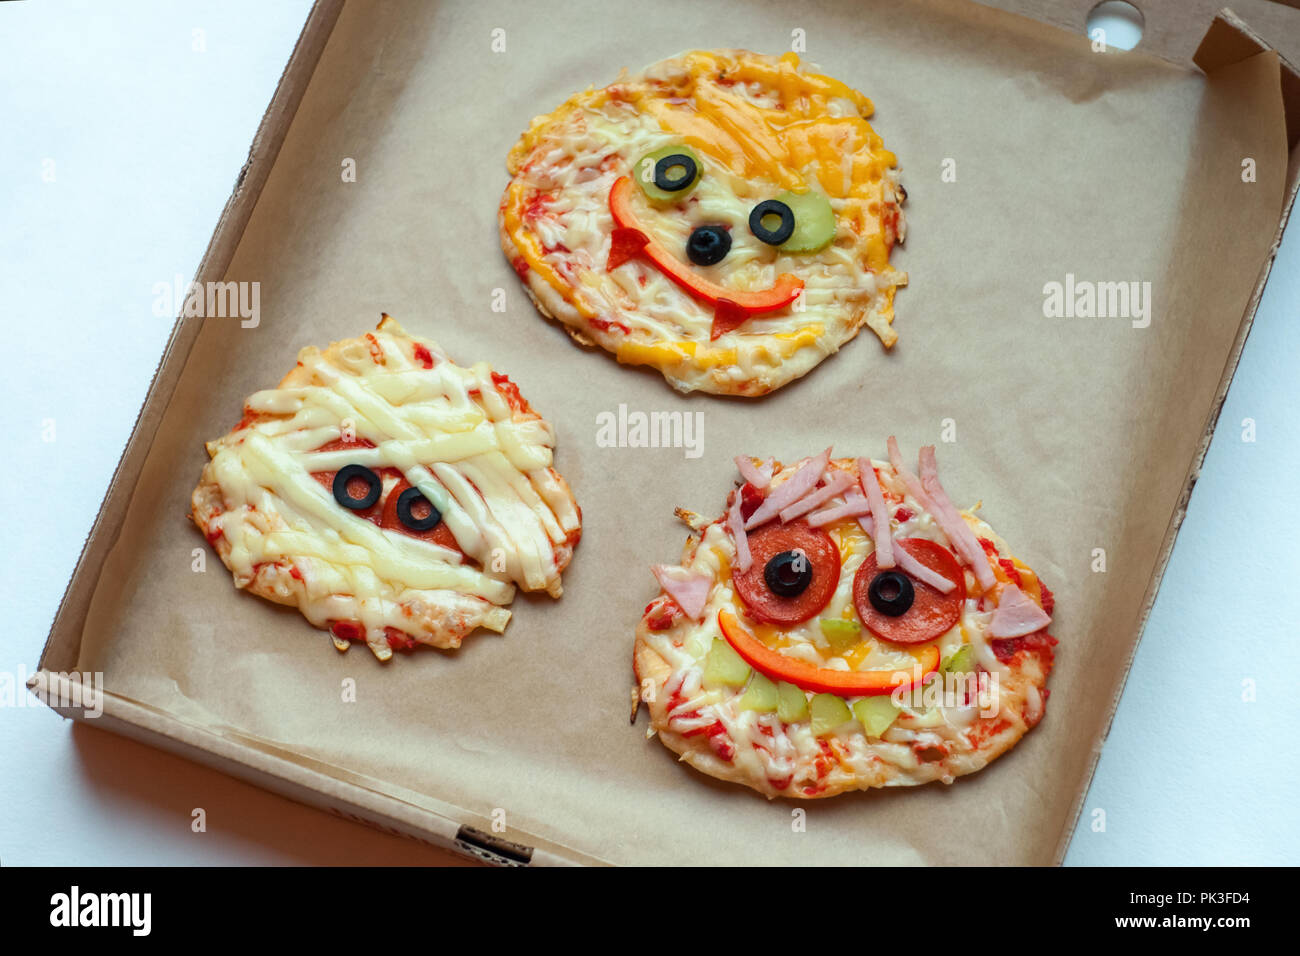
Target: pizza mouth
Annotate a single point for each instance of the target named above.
(731, 307)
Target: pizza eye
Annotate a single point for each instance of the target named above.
(356, 487)
(669, 174)
(899, 608)
(676, 172)
(416, 511)
(796, 222)
(708, 245)
(793, 573)
(891, 593)
(788, 573)
(772, 221)
(407, 511)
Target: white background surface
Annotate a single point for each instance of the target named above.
(146, 132)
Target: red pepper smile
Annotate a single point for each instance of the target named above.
(823, 680)
(731, 306)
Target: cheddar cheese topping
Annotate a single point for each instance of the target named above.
(761, 127)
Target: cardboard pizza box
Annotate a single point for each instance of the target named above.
(531, 729)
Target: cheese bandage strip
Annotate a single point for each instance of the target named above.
(462, 438)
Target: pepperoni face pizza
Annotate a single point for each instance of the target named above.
(394, 497)
(843, 626)
(724, 217)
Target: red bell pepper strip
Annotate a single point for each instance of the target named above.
(733, 306)
(821, 680)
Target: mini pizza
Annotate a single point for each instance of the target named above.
(841, 627)
(724, 217)
(392, 496)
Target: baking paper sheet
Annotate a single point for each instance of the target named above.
(1075, 433)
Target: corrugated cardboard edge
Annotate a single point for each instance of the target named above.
(1228, 40)
(347, 796)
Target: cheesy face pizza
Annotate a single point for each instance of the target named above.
(394, 497)
(843, 626)
(724, 217)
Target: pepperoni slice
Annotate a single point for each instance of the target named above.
(766, 543)
(931, 613)
(438, 534)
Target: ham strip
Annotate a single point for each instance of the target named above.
(910, 480)
(689, 589)
(954, 526)
(836, 484)
(790, 490)
(920, 571)
(760, 476)
(854, 505)
(736, 523)
(1017, 614)
(884, 541)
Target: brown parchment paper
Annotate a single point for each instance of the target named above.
(1075, 433)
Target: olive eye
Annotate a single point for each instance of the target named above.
(772, 221)
(788, 573)
(669, 174)
(676, 172)
(353, 478)
(891, 593)
(898, 607)
(708, 245)
(416, 511)
(792, 575)
(407, 511)
(797, 222)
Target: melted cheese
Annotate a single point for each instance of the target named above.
(450, 432)
(760, 126)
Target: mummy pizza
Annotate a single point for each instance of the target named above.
(724, 217)
(392, 496)
(843, 626)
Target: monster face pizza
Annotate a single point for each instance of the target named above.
(843, 626)
(724, 217)
(394, 497)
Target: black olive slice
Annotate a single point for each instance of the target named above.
(679, 163)
(891, 593)
(766, 209)
(349, 473)
(708, 244)
(406, 500)
(788, 573)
